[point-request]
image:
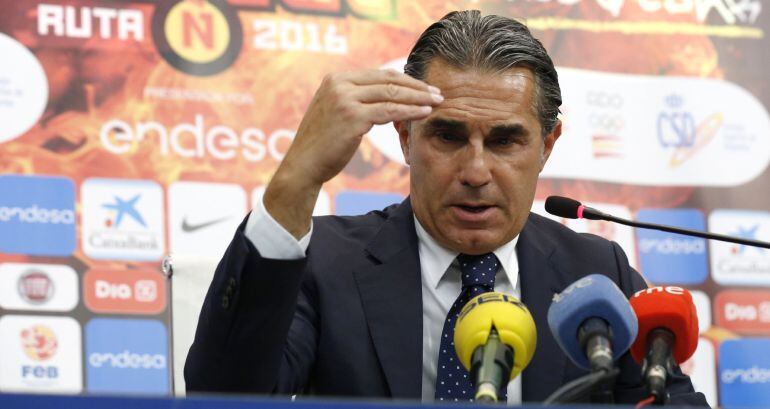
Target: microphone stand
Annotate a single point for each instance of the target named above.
(593, 214)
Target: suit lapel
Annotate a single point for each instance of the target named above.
(391, 295)
(540, 280)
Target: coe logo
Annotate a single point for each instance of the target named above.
(126, 292)
(199, 37)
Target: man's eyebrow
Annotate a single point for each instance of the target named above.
(445, 124)
(508, 130)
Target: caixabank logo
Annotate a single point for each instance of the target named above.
(126, 356)
(199, 37)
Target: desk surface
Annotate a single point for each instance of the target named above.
(19, 401)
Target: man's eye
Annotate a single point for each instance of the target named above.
(448, 137)
(504, 141)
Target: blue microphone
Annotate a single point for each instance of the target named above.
(593, 322)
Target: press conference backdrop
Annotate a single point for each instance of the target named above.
(129, 130)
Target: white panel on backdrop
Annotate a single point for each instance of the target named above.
(703, 308)
(203, 217)
(619, 233)
(736, 264)
(189, 282)
(38, 287)
(701, 368)
(23, 89)
(650, 130)
(40, 354)
(123, 219)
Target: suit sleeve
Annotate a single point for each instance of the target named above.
(257, 328)
(629, 386)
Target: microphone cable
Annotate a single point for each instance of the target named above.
(645, 402)
(578, 388)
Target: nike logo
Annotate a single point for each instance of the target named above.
(189, 228)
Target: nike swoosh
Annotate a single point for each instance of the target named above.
(189, 228)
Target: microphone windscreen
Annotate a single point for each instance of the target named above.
(670, 308)
(562, 206)
(593, 296)
(509, 316)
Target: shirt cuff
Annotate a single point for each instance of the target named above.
(271, 239)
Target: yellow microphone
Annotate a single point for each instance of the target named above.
(495, 339)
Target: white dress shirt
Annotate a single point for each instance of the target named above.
(441, 283)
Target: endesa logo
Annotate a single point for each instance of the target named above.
(37, 215)
(744, 373)
(127, 356)
(744, 311)
(671, 258)
(351, 203)
(124, 292)
(40, 354)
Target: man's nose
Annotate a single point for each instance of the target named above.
(474, 166)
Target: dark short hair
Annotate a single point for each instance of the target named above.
(465, 39)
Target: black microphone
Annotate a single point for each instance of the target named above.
(572, 209)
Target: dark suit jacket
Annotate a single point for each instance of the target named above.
(347, 320)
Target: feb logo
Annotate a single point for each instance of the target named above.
(199, 37)
(39, 343)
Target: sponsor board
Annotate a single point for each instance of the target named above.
(703, 309)
(744, 373)
(40, 354)
(667, 258)
(322, 203)
(37, 215)
(123, 219)
(701, 368)
(351, 203)
(736, 264)
(623, 235)
(672, 128)
(126, 356)
(38, 287)
(124, 292)
(204, 227)
(743, 311)
(23, 89)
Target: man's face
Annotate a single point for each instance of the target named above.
(475, 160)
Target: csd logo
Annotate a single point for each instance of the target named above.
(199, 37)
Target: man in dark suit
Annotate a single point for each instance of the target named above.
(364, 306)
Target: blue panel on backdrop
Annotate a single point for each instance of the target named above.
(350, 203)
(37, 215)
(127, 356)
(667, 258)
(744, 373)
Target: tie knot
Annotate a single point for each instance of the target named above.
(478, 270)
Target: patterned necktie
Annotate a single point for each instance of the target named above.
(452, 380)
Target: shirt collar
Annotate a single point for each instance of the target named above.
(434, 254)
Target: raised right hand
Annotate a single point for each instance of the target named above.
(344, 108)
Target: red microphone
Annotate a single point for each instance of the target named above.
(668, 333)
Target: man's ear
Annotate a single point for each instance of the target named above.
(549, 142)
(403, 128)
